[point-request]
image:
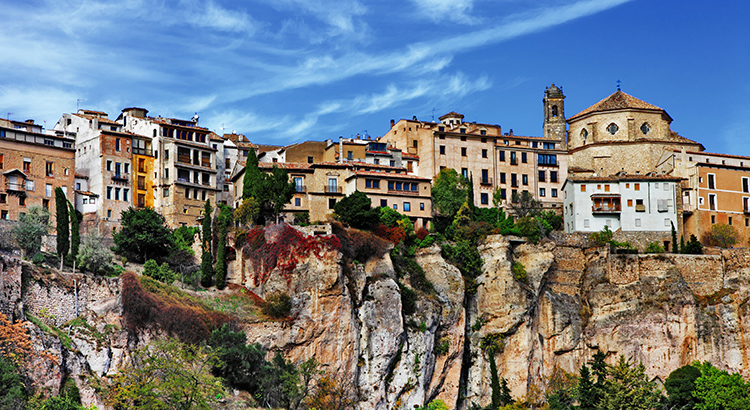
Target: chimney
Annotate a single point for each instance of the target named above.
(393, 123)
(510, 132)
(414, 118)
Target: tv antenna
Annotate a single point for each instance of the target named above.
(78, 103)
(433, 114)
(618, 85)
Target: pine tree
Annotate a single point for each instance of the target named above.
(75, 231)
(587, 396)
(63, 222)
(207, 266)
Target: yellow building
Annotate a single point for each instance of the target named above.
(143, 175)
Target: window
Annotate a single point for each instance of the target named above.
(109, 192)
(465, 172)
(414, 187)
(630, 202)
(711, 181)
(109, 165)
(729, 221)
(117, 144)
(586, 223)
(109, 213)
(639, 207)
(3, 198)
(141, 182)
(513, 180)
(117, 168)
(612, 128)
(29, 185)
(141, 200)
(484, 153)
(27, 165)
(554, 192)
(547, 159)
(513, 160)
(407, 207)
(523, 157)
(502, 194)
(166, 173)
(127, 168)
(502, 177)
(1, 160)
(393, 163)
(297, 201)
(542, 176)
(3, 213)
(421, 206)
(534, 144)
(484, 198)
(187, 193)
(463, 151)
(166, 154)
(395, 206)
(125, 193)
(332, 185)
(48, 190)
(383, 202)
(645, 128)
(637, 186)
(662, 205)
(712, 202)
(463, 131)
(606, 187)
(502, 155)
(700, 200)
(442, 150)
(542, 192)
(22, 201)
(637, 222)
(166, 192)
(553, 176)
(350, 155)
(713, 219)
(583, 188)
(50, 169)
(525, 179)
(117, 194)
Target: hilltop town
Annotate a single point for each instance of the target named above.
(617, 163)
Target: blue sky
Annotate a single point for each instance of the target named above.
(282, 71)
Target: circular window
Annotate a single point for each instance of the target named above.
(584, 134)
(612, 128)
(645, 129)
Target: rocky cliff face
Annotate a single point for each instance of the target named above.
(664, 310)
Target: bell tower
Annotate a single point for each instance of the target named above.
(554, 115)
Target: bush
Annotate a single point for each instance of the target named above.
(465, 256)
(408, 300)
(519, 272)
(417, 279)
(422, 233)
(151, 269)
(359, 245)
(93, 256)
(654, 247)
(278, 305)
(394, 234)
(356, 211)
(530, 228)
(38, 259)
(721, 235)
(693, 247)
(601, 238)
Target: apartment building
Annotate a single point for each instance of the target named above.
(104, 155)
(33, 163)
(631, 203)
(184, 164)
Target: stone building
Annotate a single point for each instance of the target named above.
(493, 159)
(104, 155)
(33, 164)
(184, 164)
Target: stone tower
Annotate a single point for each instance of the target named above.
(554, 114)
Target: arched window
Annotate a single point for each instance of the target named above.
(612, 128)
(554, 111)
(584, 135)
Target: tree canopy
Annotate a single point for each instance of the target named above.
(272, 190)
(63, 223)
(356, 211)
(144, 235)
(449, 192)
(30, 229)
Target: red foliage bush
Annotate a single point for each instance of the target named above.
(256, 238)
(187, 320)
(394, 234)
(359, 245)
(422, 233)
(289, 246)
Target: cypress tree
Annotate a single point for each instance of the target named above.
(470, 195)
(253, 179)
(682, 243)
(675, 247)
(207, 260)
(225, 218)
(63, 222)
(75, 234)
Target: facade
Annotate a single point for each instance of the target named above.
(184, 164)
(104, 155)
(631, 203)
(33, 164)
(494, 160)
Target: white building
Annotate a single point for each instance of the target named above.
(630, 203)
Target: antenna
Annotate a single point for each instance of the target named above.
(618, 85)
(433, 114)
(78, 103)
(8, 118)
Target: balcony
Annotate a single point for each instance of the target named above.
(606, 205)
(16, 187)
(333, 189)
(513, 162)
(300, 188)
(398, 192)
(121, 177)
(486, 181)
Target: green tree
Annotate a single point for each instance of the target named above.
(252, 182)
(223, 222)
(524, 204)
(675, 245)
(435, 405)
(30, 229)
(497, 197)
(240, 364)
(167, 375)
(628, 388)
(718, 390)
(248, 211)
(144, 235)
(449, 192)
(12, 389)
(93, 256)
(207, 258)
(693, 247)
(470, 193)
(680, 385)
(587, 395)
(722, 235)
(63, 223)
(279, 191)
(356, 211)
(75, 231)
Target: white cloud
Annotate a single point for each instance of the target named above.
(447, 10)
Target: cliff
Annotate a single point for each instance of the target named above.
(663, 310)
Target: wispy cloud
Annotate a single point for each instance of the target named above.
(447, 10)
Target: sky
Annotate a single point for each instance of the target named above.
(283, 71)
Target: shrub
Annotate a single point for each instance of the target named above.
(38, 259)
(359, 245)
(151, 269)
(529, 228)
(693, 247)
(393, 234)
(278, 305)
(654, 247)
(422, 233)
(302, 218)
(519, 272)
(356, 211)
(721, 235)
(602, 237)
(465, 256)
(408, 266)
(93, 256)
(408, 300)
(442, 347)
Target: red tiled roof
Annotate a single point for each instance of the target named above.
(283, 165)
(235, 137)
(87, 193)
(451, 114)
(626, 177)
(617, 101)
